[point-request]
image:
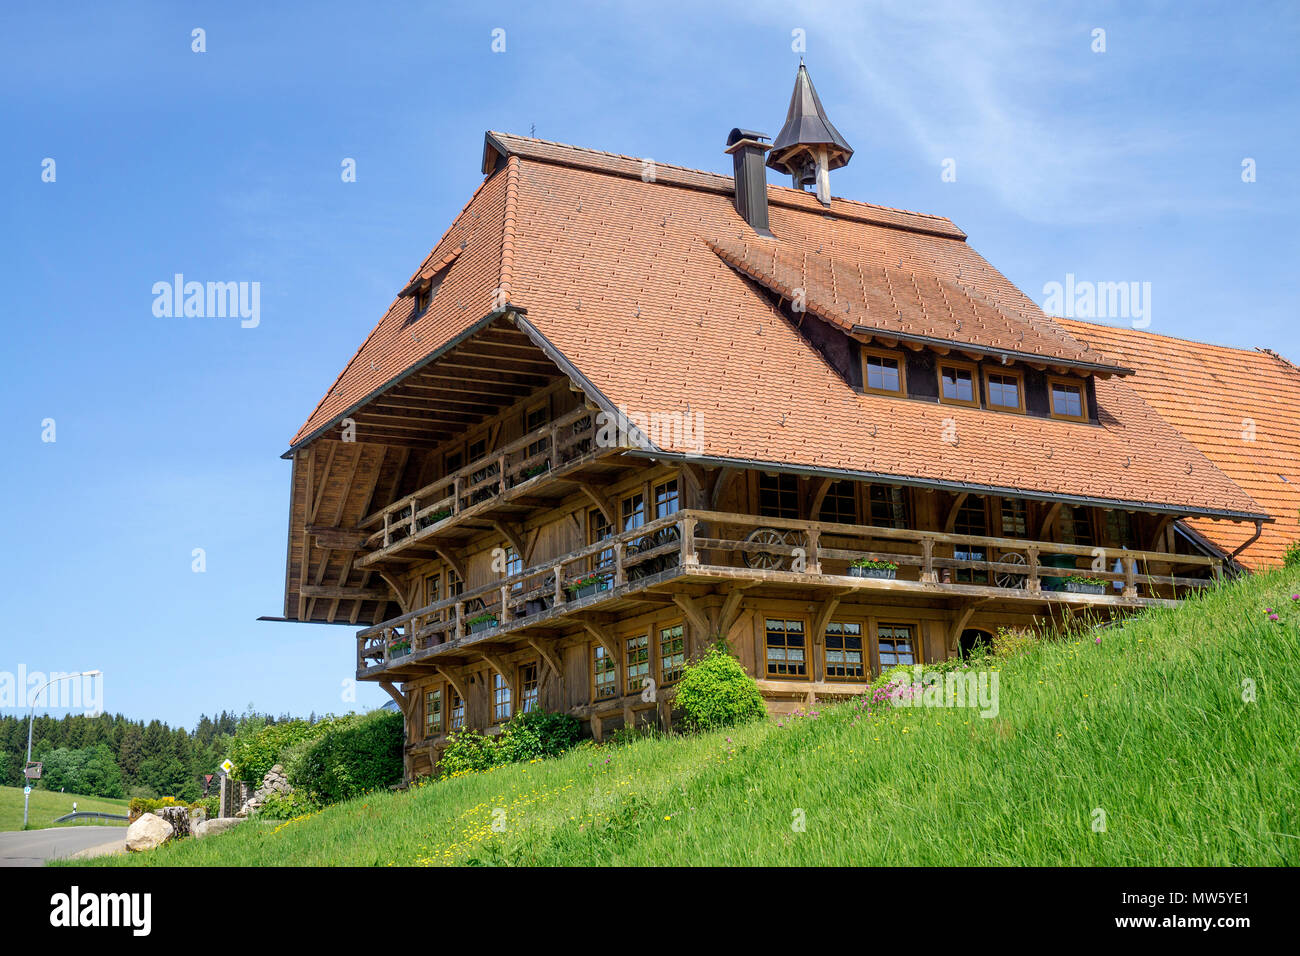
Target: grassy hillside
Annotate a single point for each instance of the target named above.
(46, 806)
(1149, 726)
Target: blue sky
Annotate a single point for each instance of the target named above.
(225, 165)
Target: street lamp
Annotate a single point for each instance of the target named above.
(31, 716)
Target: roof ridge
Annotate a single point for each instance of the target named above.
(1174, 338)
(509, 217)
(783, 192)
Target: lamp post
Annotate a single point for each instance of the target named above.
(31, 716)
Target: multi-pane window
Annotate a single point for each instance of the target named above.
(840, 504)
(786, 648)
(888, 506)
(1015, 518)
(528, 687)
(455, 709)
(895, 645)
(637, 662)
(957, 384)
(602, 673)
(514, 565)
(1119, 529)
(882, 373)
(454, 584)
(1004, 390)
(1067, 399)
(453, 463)
(972, 519)
(533, 420)
(433, 712)
(844, 660)
(598, 529)
(778, 496)
(432, 588)
(666, 499)
(672, 653)
(633, 510)
(1075, 524)
(500, 697)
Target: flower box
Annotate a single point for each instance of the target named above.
(886, 573)
(1078, 587)
(476, 624)
(587, 590)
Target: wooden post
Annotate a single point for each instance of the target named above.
(414, 507)
(388, 535)
(455, 495)
(505, 603)
(689, 557)
(928, 575)
(620, 573)
(1032, 583)
(555, 447)
(813, 563)
(559, 585)
(1130, 577)
(460, 619)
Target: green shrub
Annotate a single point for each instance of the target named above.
(286, 806)
(716, 692)
(356, 754)
(467, 751)
(258, 747)
(139, 806)
(1291, 559)
(536, 734)
(532, 736)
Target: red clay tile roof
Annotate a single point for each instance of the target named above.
(619, 274)
(1241, 407)
(880, 298)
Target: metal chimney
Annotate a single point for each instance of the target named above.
(748, 150)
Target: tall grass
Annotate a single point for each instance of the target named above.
(1151, 731)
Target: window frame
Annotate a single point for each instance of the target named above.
(642, 634)
(660, 628)
(1081, 385)
(914, 628)
(1019, 376)
(864, 635)
(905, 500)
(432, 690)
(867, 352)
(969, 367)
(523, 686)
(455, 702)
(599, 650)
(807, 646)
(675, 497)
(508, 686)
(779, 477)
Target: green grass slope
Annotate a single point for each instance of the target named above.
(1149, 726)
(47, 806)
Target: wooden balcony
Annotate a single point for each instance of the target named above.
(694, 551)
(541, 467)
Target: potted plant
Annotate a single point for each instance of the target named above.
(481, 622)
(399, 647)
(432, 518)
(1078, 584)
(585, 587)
(867, 568)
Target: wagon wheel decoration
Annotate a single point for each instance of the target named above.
(765, 560)
(1009, 579)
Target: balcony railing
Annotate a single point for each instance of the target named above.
(567, 439)
(783, 551)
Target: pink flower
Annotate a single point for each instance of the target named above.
(1099, 639)
(1272, 617)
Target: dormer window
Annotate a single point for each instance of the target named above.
(957, 384)
(1005, 390)
(1068, 400)
(424, 294)
(883, 373)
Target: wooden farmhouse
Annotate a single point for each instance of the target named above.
(624, 409)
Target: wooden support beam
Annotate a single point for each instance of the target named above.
(451, 561)
(545, 654)
(600, 501)
(511, 534)
(951, 521)
(456, 685)
(693, 614)
(344, 593)
(1049, 518)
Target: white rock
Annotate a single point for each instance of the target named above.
(216, 825)
(148, 832)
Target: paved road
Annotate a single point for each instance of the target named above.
(34, 847)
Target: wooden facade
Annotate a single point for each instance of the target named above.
(535, 563)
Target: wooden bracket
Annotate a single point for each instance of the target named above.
(545, 654)
(951, 521)
(693, 614)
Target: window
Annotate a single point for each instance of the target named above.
(785, 649)
(500, 698)
(432, 588)
(602, 673)
(454, 584)
(598, 529)
(971, 519)
(456, 709)
(778, 496)
(666, 499)
(840, 504)
(1075, 525)
(528, 688)
(1015, 518)
(633, 512)
(638, 662)
(957, 384)
(423, 296)
(672, 653)
(1005, 391)
(433, 712)
(534, 419)
(888, 506)
(514, 565)
(477, 449)
(895, 645)
(882, 373)
(844, 659)
(1119, 529)
(1067, 399)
